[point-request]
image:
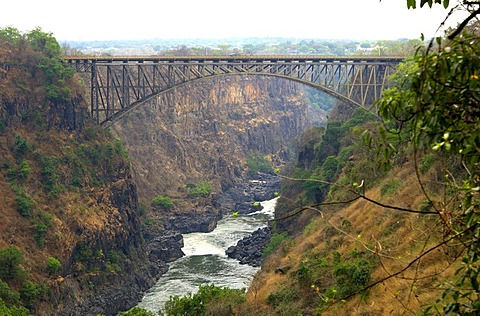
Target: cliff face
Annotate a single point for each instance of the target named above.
(206, 130)
(68, 205)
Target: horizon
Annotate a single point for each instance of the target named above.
(216, 20)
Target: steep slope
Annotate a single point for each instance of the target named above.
(70, 239)
(356, 237)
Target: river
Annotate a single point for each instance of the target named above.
(205, 261)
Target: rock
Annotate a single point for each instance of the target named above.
(200, 221)
(242, 197)
(249, 249)
(166, 247)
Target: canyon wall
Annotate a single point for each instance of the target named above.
(205, 131)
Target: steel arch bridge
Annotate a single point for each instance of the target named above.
(119, 84)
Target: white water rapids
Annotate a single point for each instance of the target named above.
(205, 261)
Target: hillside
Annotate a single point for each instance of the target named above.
(70, 239)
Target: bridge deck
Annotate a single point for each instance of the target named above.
(233, 59)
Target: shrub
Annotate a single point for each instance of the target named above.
(42, 223)
(275, 241)
(53, 265)
(25, 204)
(7, 295)
(163, 202)
(257, 163)
(202, 188)
(136, 311)
(21, 146)
(208, 296)
(390, 187)
(11, 258)
(284, 295)
(24, 170)
(352, 275)
(29, 292)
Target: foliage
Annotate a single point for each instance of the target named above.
(257, 163)
(21, 147)
(53, 265)
(11, 258)
(207, 298)
(163, 202)
(8, 296)
(42, 222)
(438, 109)
(390, 187)
(136, 311)
(275, 241)
(29, 292)
(50, 174)
(25, 204)
(200, 189)
(13, 310)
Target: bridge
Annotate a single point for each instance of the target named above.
(120, 84)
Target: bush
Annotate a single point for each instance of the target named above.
(208, 301)
(7, 295)
(257, 163)
(53, 265)
(11, 258)
(136, 311)
(42, 223)
(163, 202)
(29, 292)
(390, 187)
(203, 189)
(25, 204)
(283, 296)
(275, 241)
(21, 147)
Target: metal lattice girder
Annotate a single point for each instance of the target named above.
(119, 84)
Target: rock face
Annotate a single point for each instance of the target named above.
(249, 249)
(206, 130)
(241, 197)
(203, 221)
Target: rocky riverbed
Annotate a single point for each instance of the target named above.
(249, 249)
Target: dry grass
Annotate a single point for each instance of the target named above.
(395, 238)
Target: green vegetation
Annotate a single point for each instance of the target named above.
(210, 300)
(257, 163)
(162, 202)
(53, 265)
(200, 189)
(136, 311)
(10, 260)
(436, 107)
(42, 223)
(390, 187)
(29, 292)
(275, 241)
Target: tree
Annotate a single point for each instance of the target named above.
(436, 106)
(10, 260)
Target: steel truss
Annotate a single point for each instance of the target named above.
(119, 84)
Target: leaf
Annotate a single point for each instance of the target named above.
(446, 3)
(411, 4)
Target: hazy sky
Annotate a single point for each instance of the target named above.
(146, 19)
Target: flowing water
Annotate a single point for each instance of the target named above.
(205, 261)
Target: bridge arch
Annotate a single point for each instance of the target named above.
(120, 84)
